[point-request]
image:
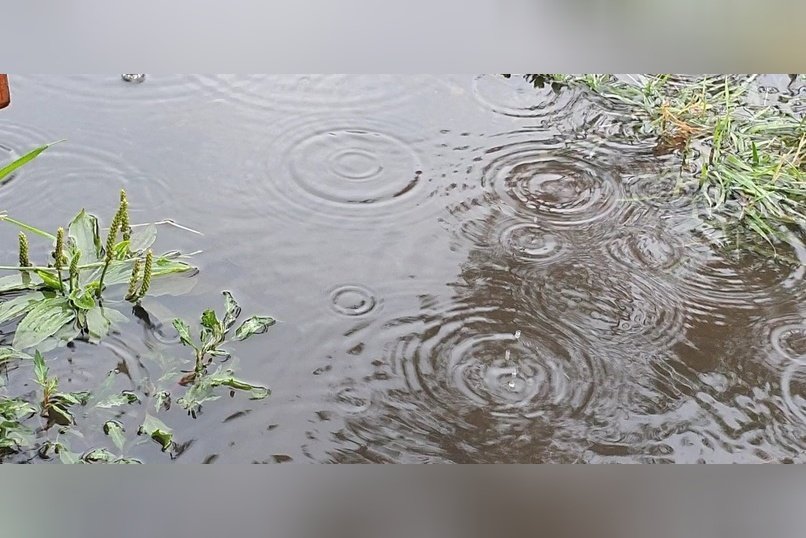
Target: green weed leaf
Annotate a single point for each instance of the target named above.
(114, 429)
(86, 236)
(254, 325)
(158, 431)
(16, 307)
(8, 169)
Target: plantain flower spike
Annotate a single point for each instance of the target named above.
(124, 216)
(111, 239)
(131, 295)
(25, 261)
(58, 254)
(147, 269)
(74, 271)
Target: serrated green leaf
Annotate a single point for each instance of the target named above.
(254, 325)
(43, 321)
(115, 431)
(86, 236)
(143, 237)
(158, 431)
(233, 310)
(18, 306)
(8, 169)
(184, 332)
(40, 369)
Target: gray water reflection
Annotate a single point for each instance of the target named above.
(467, 269)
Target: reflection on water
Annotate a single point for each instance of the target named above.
(467, 269)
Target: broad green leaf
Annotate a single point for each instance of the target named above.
(86, 236)
(142, 238)
(114, 430)
(15, 283)
(43, 321)
(212, 330)
(232, 310)
(63, 336)
(254, 325)
(18, 306)
(158, 431)
(40, 369)
(184, 332)
(25, 159)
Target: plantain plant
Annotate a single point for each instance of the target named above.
(64, 299)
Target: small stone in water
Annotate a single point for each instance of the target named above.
(135, 78)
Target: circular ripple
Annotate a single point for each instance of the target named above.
(787, 336)
(645, 248)
(81, 176)
(556, 187)
(353, 300)
(742, 279)
(341, 170)
(464, 361)
(793, 387)
(506, 375)
(531, 243)
(311, 92)
(515, 96)
(17, 140)
(608, 306)
(354, 166)
(112, 92)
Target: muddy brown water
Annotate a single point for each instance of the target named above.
(466, 269)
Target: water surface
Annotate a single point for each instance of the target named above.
(466, 269)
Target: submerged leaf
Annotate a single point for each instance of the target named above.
(43, 321)
(142, 238)
(86, 236)
(254, 325)
(114, 429)
(158, 431)
(16, 283)
(100, 321)
(40, 369)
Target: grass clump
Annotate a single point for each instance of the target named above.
(745, 159)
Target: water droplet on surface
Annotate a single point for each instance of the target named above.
(133, 78)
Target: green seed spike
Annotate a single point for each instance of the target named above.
(58, 253)
(25, 261)
(147, 269)
(131, 295)
(112, 238)
(124, 216)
